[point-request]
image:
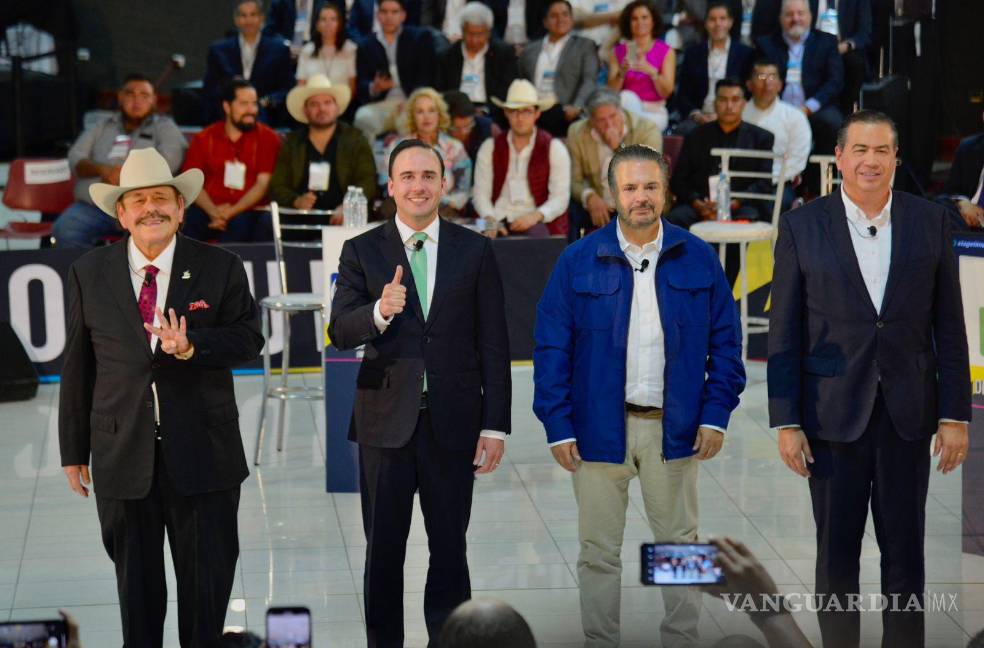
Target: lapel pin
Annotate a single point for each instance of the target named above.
(186, 275)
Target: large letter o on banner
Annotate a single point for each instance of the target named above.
(54, 310)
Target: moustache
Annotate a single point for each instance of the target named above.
(151, 215)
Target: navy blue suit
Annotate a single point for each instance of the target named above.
(415, 62)
(362, 15)
(272, 74)
(853, 19)
(694, 78)
(823, 72)
(867, 387)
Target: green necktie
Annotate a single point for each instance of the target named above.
(418, 266)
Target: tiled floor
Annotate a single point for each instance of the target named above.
(303, 546)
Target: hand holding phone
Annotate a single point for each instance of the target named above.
(680, 564)
(288, 627)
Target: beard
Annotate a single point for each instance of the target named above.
(245, 126)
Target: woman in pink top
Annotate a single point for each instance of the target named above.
(642, 66)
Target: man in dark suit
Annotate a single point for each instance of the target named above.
(562, 65)
(389, 67)
(867, 359)
(478, 65)
(362, 16)
(695, 93)
(812, 71)
(264, 61)
(433, 393)
(151, 401)
(964, 188)
(695, 164)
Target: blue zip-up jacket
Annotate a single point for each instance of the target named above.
(582, 328)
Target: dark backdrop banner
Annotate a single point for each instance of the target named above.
(33, 296)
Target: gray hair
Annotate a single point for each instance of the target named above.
(601, 97)
(637, 152)
(785, 3)
(476, 13)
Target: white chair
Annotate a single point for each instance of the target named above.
(828, 164)
(288, 304)
(722, 233)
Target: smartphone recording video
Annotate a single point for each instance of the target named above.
(680, 564)
(288, 627)
(34, 634)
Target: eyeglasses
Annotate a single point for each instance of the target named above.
(767, 77)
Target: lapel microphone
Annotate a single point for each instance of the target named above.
(147, 280)
(642, 267)
(418, 245)
(873, 231)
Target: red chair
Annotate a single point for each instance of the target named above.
(43, 185)
(672, 144)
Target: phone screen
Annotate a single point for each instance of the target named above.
(34, 634)
(680, 564)
(288, 628)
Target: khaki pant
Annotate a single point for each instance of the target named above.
(377, 118)
(669, 491)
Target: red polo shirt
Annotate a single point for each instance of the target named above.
(211, 148)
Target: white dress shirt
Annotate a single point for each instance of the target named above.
(248, 54)
(791, 130)
(874, 253)
(137, 262)
(430, 247)
(545, 72)
(645, 357)
(473, 75)
(717, 67)
(515, 199)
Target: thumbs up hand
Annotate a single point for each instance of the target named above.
(394, 298)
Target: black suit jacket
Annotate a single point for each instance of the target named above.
(415, 61)
(965, 174)
(853, 19)
(501, 69)
(693, 76)
(106, 407)
(362, 15)
(823, 70)
(272, 74)
(829, 348)
(462, 345)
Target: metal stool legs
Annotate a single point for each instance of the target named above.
(265, 324)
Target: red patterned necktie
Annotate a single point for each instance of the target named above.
(148, 296)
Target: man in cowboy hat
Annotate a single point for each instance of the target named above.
(308, 174)
(149, 398)
(523, 176)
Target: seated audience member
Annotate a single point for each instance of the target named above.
(478, 65)
(237, 157)
(598, 21)
(849, 21)
(485, 623)
(812, 72)
(392, 63)
(317, 163)
(467, 126)
(523, 175)
(264, 61)
(690, 181)
(964, 188)
(364, 17)
(704, 64)
(328, 52)
(787, 125)
(427, 119)
(745, 576)
(294, 20)
(562, 66)
(592, 142)
(642, 66)
(445, 16)
(98, 155)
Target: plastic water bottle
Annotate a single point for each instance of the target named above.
(348, 208)
(362, 208)
(723, 198)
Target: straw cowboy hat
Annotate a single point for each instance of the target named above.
(318, 84)
(146, 168)
(522, 94)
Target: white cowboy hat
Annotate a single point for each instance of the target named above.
(523, 94)
(146, 168)
(316, 85)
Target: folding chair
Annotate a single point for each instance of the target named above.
(29, 189)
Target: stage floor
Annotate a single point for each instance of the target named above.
(303, 546)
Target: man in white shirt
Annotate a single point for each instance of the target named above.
(523, 175)
(637, 368)
(868, 359)
(793, 137)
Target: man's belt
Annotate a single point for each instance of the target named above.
(644, 411)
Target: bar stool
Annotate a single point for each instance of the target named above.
(828, 164)
(722, 233)
(288, 304)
